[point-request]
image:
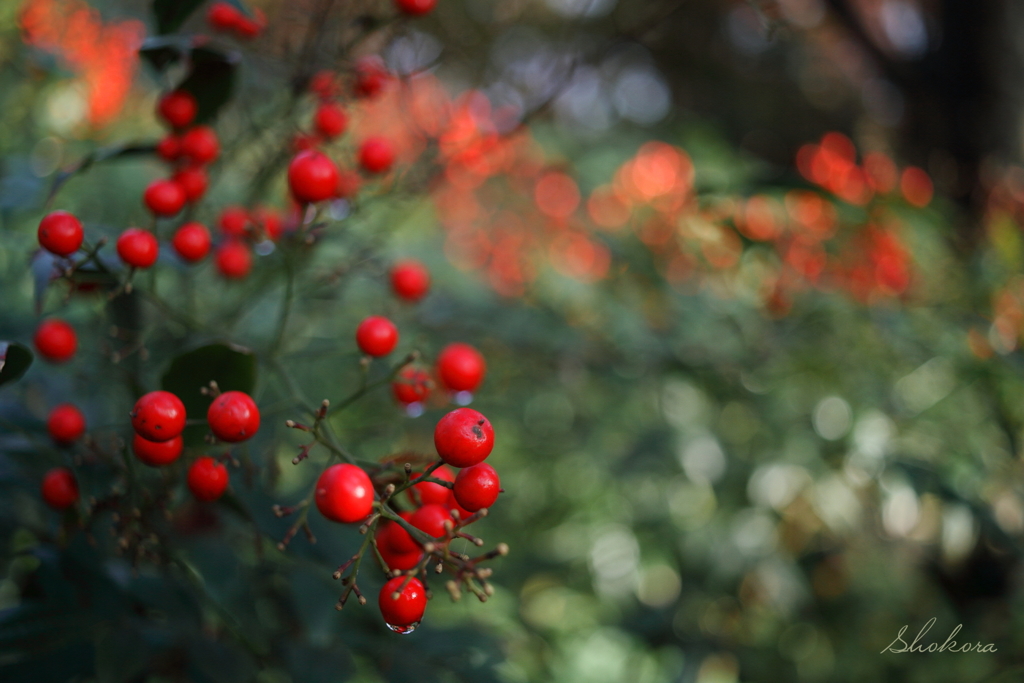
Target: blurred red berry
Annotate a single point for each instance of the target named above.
(178, 108)
(194, 181)
(164, 197)
(169, 147)
(138, 248)
(376, 336)
(410, 279)
(207, 479)
(55, 340)
(330, 120)
(234, 221)
(66, 424)
(415, 7)
(312, 177)
(192, 242)
(250, 27)
(233, 259)
(461, 367)
(371, 76)
(412, 385)
(376, 155)
(157, 453)
(269, 221)
(223, 16)
(200, 145)
(59, 489)
(60, 233)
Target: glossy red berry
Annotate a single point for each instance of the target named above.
(138, 248)
(463, 437)
(194, 181)
(312, 177)
(55, 340)
(330, 120)
(223, 16)
(376, 155)
(410, 279)
(192, 242)
(344, 493)
(66, 424)
(349, 183)
(200, 145)
(477, 487)
(412, 385)
(158, 416)
(164, 197)
(178, 109)
(207, 479)
(233, 416)
(157, 453)
(60, 233)
(397, 540)
(59, 489)
(371, 76)
(169, 147)
(405, 612)
(233, 259)
(428, 491)
(461, 367)
(234, 221)
(397, 560)
(430, 519)
(416, 8)
(376, 336)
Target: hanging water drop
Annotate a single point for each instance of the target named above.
(403, 630)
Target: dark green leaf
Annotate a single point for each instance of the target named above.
(14, 361)
(211, 80)
(171, 14)
(233, 368)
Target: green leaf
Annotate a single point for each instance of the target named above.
(171, 14)
(233, 368)
(211, 80)
(14, 361)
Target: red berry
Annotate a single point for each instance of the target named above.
(412, 385)
(330, 120)
(233, 416)
(376, 155)
(138, 248)
(463, 437)
(233, 259)
(415, 7)
(348, 184)
(177, 108)
(223, 16)
(344, 493)
(207, 479)
(430, 520)
(376, 336)
(234, 221)
(461, 367)
(200, 145)
(158, 416)
(55, 340)
(428, 491)
(65, 423)
(397, 560)
(193, 181)
(169, 148)
(397, 540)
(157, 453)
(312, 176)
(410, 279)
(476, 487)
(59, 489)
(405, 612)
(371, 76)
(324, 84)
(269, 221)
(60, 233)
(251, 27)
(453, 506)
(164, 197)
(192, 242)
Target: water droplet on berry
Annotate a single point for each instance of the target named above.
(414, 409)
(403, 630)
(463, 398)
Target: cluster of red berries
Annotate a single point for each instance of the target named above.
(226, 18)
(158, 420)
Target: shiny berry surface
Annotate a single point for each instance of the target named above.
(158, 416)
(233, 417)
(376, 336)
(461, 367)
(60, 233)
(463, 437)
(192, 242)
(207, 479)
(138, 248)
(410, 280)
(65, 424)
(164, 197)
(59, 488)
(157, 453)
(408, 608)
(233, 259)
(55, 340)
(476, 487)
(312, 177)
(344, 493)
